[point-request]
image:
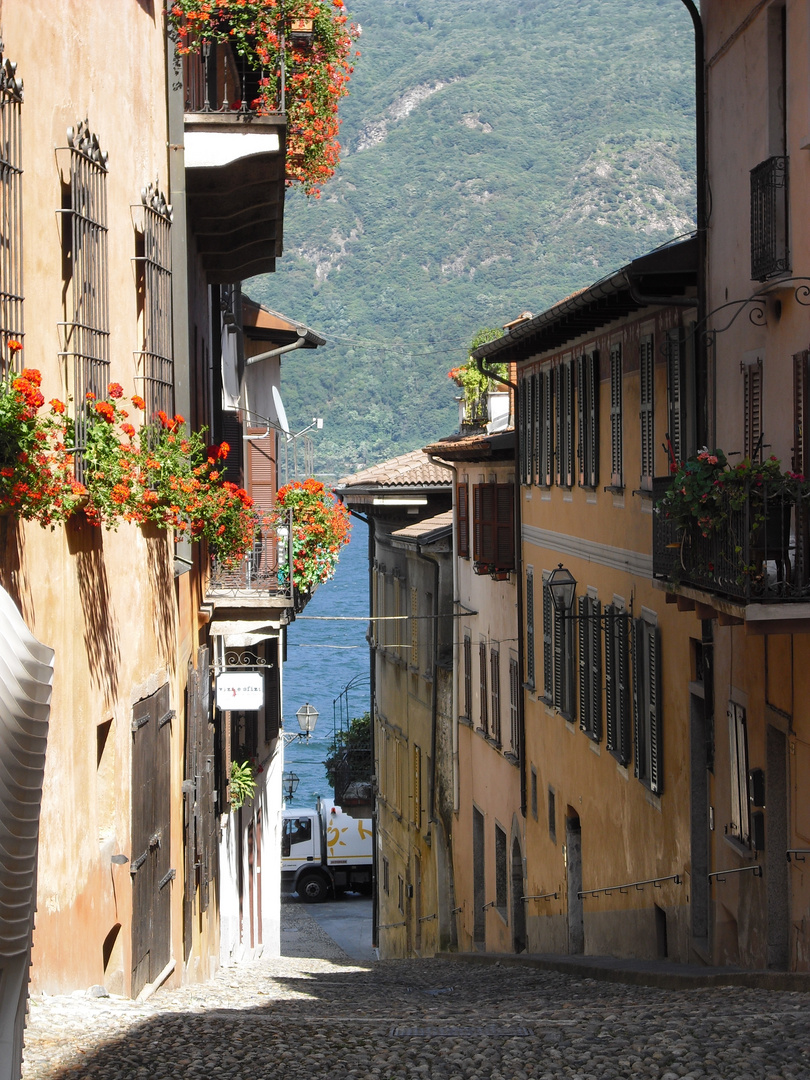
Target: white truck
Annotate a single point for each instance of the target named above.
(324, 851)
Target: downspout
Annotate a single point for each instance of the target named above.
(276, 352)
(519, 571)
(705, 419)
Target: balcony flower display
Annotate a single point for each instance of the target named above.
(320, 528)
(317, 67)
(473, 383)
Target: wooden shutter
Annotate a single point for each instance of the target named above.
(622, 689)
(558, 695)
(654, 705)
(514, 692)
(584, 670)
(646, 414)
(610, 679)
(482, 685)
(232, 435)
(467, 677)
(638, 696)
(801, 410)
(504, 526)
(524, 431)
(548, 433)
(484, 516)
(530, 628)
(752, 421)
(616, 416)
(676, 394)
(588, 419)
(595, 659)
(261, 478)
(463, 508)
(539, 451)
(548, 656)
(495, 691)
(582, 423)
(559, 437)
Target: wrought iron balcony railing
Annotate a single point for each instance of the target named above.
(263, 571)
(770, 254)
(758, 553)
(217, 81)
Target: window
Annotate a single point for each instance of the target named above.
(493, 528)
(588, 419)
(739, 825)
(552, 815)
(296, 831)
(417, 787)
(647, 704)
(545, 435)
(514, 707)
(414, 628)
(525, 429)
(617, 698)
(386, 876)
(87, 333)
(590, 667)
(676, 395)
(11, 282)
(565, 424)
(616, 474)
(482, 686)
(463, 508)
(467, 677)
(646, 411)
(479, 879)
(495, 691)
(530, 675)
(401, 893)
(558, 656)
(770, 253)
(154, 262)
(501, 899)
(752, 407)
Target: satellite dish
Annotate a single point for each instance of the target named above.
(281, 415)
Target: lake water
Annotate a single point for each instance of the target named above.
(328, 665)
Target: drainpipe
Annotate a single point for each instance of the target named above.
(519, 571)
(706, 418)
(277, 352)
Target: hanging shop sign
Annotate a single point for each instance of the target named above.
(241, 691)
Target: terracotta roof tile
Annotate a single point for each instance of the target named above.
(414, 469)
(424, 528)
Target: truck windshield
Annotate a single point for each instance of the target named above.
(296, 831)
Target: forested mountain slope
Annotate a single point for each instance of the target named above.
(498, 154)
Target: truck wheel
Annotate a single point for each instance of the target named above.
(312, 888)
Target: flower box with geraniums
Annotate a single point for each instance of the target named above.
(731, 520)
(314, 42)
(320, 528)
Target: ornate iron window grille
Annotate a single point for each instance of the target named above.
(87, 334)
(156, 357)
(769, 219)
(11, 249)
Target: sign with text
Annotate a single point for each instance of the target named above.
(241, 691)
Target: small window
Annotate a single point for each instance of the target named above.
(386, 876)
(544, 406)
(565, 424)
(558, 656)
(616, 465)
(552, 815)
(647, 704)
(590, 667)
(296, 831)
(514, 707)
(468, 677)
(495, 693)
(588, 418)
(530, 661)
(401, 893)
(752, 409)
(676, 395)
(463, 510)
(493, 528)
(483, 703)
(617, 685)
(646, 411)
(739, 825)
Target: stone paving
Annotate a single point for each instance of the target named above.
(316, 1015)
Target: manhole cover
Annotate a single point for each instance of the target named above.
(452, 1031)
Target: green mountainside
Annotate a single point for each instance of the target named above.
(497, 155)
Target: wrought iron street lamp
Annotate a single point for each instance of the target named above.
(307, 717)
(563, 586)
(289, 785)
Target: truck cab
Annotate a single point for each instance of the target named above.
(324, 851)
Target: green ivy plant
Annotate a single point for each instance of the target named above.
(469, 377)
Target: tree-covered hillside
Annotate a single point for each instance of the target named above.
(498, 154)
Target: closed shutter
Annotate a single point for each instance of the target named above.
(801, 408)
(568, 382)
(262, 469)
(482, 685)
(753, 410)
(548, 658)
(558, 695)
(559, 439)
(548, 433)
(537, 439)
(646, 415)
(582, 422)
(611, 740)
(592, 444)
(584, 671)
(530, 628)
(595, 659)
(467, 677)
(616, 479)
(504, 527)
(462, 506)
(639, 712)
(232, 435)
(524, 431)
(622, 689)
(514, 692)
(676, 394)
(495, 688)
(654, 705)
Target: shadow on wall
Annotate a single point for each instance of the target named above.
(11, 566)
(161, 580)
(100, 632)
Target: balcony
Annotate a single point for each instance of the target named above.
(753, 568)
(235, 168)
(258, 582)
(770, 255)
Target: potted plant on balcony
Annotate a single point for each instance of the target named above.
(474, 384)
(312, 40)
(320, 528)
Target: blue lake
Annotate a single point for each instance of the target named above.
(328, 665)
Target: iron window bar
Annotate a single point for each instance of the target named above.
(11, 254)
(656, 883)
(152, 218)
(770, 254)
(797, 854)
(756, 870)
(540, 896)
(427, 918)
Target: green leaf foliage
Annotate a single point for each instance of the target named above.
(497, 155)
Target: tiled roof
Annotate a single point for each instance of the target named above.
(408, 470)
(419, 529)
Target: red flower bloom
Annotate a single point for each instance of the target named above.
(138, 402)
(115, 390)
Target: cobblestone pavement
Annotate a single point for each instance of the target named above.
(316, 1015)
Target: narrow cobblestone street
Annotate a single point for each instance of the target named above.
(315, 1014)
